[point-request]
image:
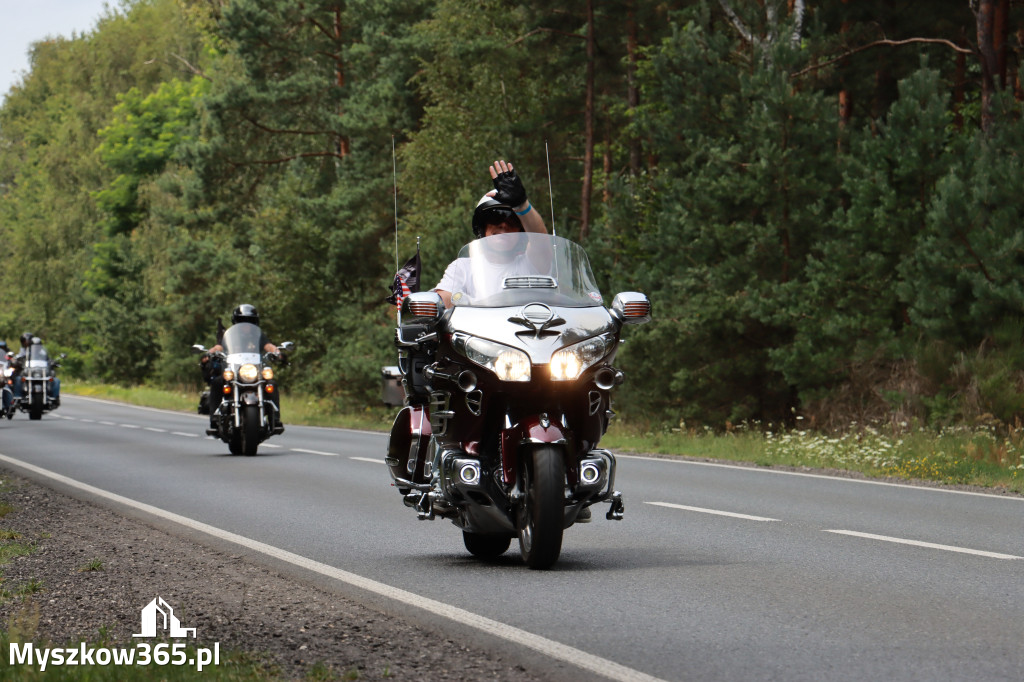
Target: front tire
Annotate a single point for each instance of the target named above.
(543, 510)
(35, 407)
(251, 427)
(486, 546)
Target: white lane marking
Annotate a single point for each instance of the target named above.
(316, 452)
(269, 445)
(367, 459)
(150, 428)
(582, 659)
(182, 433)
(108, 423)
(836, 479)
(717, 512)
(87, 421)
(929, 545)
(130, 426)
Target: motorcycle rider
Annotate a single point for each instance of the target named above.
(245, 312)
(6, 359)
(32, 346)
(503, 210)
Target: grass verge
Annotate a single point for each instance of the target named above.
(978, 456)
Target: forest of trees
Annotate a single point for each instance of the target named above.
(822, 198)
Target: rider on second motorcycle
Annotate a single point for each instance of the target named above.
(243, 313)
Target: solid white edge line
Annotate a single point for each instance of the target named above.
(368, 459)
(595, 664)
(316, 452)
(929, 545)
(684, 507)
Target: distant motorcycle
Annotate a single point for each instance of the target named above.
(6, 379)
(508, 394)
(247, 414)
(36, 371)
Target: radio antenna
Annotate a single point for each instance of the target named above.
(551, 196)
(394, 176)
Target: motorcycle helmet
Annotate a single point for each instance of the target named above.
(490, 211)
(245, 313)
(26, 339)
(3, 346)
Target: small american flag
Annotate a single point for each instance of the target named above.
(407, 280)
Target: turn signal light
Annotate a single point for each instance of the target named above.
(270, 388)
(227, 390)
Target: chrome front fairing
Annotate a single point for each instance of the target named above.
(529, 328)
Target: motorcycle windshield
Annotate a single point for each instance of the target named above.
(37, 356)
(243, 338)
(523, 267)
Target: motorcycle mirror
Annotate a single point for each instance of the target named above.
(422, 307)
(198, 348)
(286, 346)
(631, 307)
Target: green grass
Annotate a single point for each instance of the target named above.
(957, 456)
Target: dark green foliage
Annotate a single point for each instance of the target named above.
(185, 157)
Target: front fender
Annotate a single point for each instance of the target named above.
(535, 429)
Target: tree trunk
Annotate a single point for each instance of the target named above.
(588, 129)
(339, 73)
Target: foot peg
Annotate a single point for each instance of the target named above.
(211, 432)
(616, 510)
(278, 430)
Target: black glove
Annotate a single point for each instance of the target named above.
(510, 189)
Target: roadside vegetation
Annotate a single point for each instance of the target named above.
(987, 454)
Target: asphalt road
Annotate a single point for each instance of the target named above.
(716, 572)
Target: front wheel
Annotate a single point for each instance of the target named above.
(35, 407)
(486, 546)
(543, 509)
(251, 428)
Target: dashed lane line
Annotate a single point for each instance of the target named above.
(716, 512)
(929, 545)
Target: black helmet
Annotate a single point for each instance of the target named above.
(245, 313)
(26, 339)
(490, 211)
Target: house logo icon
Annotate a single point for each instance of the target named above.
(158, 615)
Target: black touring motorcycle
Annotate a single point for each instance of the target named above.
(249, 411)
(507, 395)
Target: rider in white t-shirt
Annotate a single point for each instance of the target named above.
(504, 210)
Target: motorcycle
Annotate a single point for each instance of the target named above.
(37, 374)
(508, 393)
(6, 391)
(248, 414)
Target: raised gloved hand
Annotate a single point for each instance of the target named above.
(510, 188)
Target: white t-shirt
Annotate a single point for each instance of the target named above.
(485, 279)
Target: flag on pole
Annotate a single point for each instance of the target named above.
(407, 280)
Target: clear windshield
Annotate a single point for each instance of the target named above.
(37, 353)
(523, 267)
(243, 337)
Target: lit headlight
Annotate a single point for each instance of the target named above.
(268, 373)
(506, 362)
(568, 363)
(228, 375)
(248, 373)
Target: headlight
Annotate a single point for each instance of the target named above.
(570, 362)
(268, 373)
(248, 373)
(228, 375)
(506, 362)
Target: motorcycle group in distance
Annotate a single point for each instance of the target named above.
(30, 382)
(506, 395)
(243, 400)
